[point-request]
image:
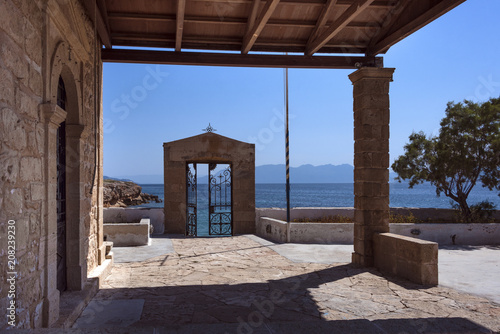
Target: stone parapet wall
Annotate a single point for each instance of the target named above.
(423, 214)
(270, 225)
(128, 234)
(127, 215)
(406, 257)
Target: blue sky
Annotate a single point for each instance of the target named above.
(455, 57)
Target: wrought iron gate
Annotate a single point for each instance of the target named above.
(191, 200)
(220, 215)
(220, 201)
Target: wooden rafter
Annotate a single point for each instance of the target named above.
(253, 15)
(365, 27)
(240, 60)
(350, 14)
(389, 22)
(321, 20)
(181, 8)
(252, 35)
(94, 12)
(421, 18)
(104, 12)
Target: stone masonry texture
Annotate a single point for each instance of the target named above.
(40, 41)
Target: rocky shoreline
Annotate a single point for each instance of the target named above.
(124, 194)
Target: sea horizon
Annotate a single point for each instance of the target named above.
(338, 195)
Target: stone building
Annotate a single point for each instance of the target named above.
(50, 158)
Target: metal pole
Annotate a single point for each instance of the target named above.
(287, 160)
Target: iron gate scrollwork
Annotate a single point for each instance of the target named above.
(220, 201)
(191, 228)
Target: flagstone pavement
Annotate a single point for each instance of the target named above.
(241, 285)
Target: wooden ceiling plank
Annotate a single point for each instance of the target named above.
(140, 16)
(227, 20)
(181, 9)
(252, 35)
(239, 60)
(94, 13)
(350, 14)
(377, 3)
(424, 18)
(323, 17)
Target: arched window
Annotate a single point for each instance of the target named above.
(61, 94)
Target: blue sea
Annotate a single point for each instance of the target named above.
(337, 195)
(327, 195)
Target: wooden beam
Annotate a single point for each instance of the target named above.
(104, 12)
(350, 14)
(321, 20)
(236, 42)
(422, 18)
(96, 17)
(253, 15)
(223, 45)
(389, 22)
(181, 8)
(237, 60)
(252, 35)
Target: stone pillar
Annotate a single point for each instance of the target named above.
(53, 117)
(76, 260)
(371, 159)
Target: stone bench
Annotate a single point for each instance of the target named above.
(406, 257)
(128, 234)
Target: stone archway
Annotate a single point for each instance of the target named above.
(66, 70)
(209, 148)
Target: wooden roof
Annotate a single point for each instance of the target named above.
(308, 27)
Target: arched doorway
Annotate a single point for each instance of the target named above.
(61, 192)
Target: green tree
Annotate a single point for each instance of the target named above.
(466, 151)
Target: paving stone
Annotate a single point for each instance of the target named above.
(235, 284)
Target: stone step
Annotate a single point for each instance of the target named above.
(108, 245)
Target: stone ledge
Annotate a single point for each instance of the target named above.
(406, 257)
(128, 234)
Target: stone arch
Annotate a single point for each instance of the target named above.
(69, 70)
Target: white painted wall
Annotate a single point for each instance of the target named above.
(320, 233)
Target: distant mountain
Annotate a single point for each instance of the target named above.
(115, 179)
(142, 179)
(276, 174)
(305, 174)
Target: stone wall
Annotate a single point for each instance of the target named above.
(127, 215)
(343, 233)
(406, 257)
(40, 41)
